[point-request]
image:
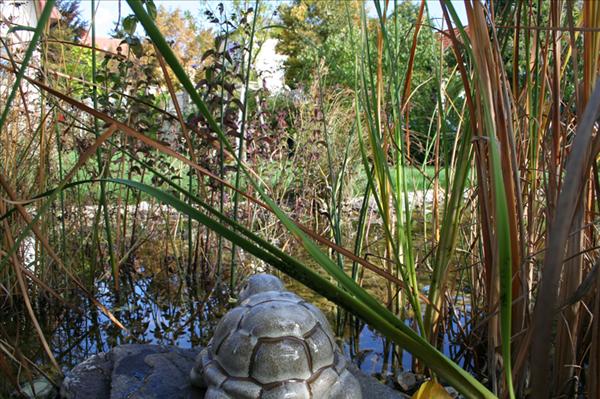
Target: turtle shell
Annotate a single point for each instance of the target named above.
(275, 345)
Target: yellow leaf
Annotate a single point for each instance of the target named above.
(431, 390)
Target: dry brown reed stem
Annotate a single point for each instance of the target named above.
(5, 367)
(42, 238)
(173, 95)
(506, 131)
(14, 354)
(483, 102)
(18, 267)
(594, 371)
(591, 46)
(21, 92)
(86, 46)
(484, 207)
(180, 118)
(570, 197)
(52, 292)
(570, 320)
(591, 40)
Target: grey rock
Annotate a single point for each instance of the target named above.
(89, 379)
(93, 378)
(165, 376)
(406, 381)
(133, 372)
(371, 388)
(40, 388)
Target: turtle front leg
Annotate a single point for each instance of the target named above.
(197, 373)
(346, 387)
(214, 393)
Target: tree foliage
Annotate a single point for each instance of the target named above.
(71, 25)
(187, 38)
(318, 32)
(313, 30)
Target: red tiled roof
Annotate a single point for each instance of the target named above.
(444, 36)
(109, 44)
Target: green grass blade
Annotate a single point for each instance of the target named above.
(504, 263)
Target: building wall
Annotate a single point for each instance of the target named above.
(269, 67)
(12, 13)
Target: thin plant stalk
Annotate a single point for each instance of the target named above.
(102, 205)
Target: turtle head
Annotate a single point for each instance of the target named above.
(260, 283)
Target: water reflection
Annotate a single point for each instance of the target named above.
(163, 309)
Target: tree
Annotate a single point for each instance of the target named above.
(317, 31)
(71, 26)
(314, 30)
(187, 39)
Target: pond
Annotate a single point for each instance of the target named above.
(161, 308)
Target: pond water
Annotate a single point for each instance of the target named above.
(162, 309)
(158, 303)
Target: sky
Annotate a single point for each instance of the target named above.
(108, 10)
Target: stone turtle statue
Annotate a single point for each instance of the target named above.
(274, 345)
